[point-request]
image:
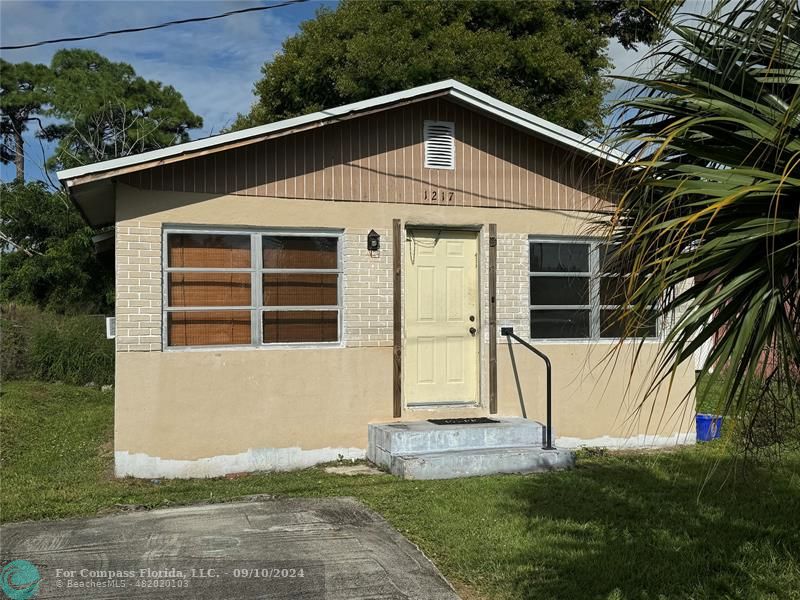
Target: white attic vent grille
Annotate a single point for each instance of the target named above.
(440, 145)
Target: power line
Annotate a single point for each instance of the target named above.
(149, 27)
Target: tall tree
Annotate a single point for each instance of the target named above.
(23, 94)
(545, 56)
(107, 111)
(103, 110)
(710, 217)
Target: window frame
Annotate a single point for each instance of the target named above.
(257, 272)
(594, 275)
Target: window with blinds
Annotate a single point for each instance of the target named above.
(440, 144)
(300, 289)
(251, 288)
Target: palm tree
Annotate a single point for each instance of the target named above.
(710, 218)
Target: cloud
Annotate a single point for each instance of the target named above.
(214, 64)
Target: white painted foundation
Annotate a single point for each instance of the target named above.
(260, 459)
(288, 459)
(630, 443)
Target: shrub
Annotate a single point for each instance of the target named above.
(768, 424)
(14, 338)
(51, 347)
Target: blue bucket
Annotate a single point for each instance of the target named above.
(709, 427)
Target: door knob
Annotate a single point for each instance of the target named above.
(472, 330)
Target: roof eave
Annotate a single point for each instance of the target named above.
(457, 90)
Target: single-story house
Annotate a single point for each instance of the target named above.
(281, 288)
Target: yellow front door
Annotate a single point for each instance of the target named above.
(441, 317)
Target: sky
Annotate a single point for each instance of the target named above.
(213, 64)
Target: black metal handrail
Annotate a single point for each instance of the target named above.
(548, 432)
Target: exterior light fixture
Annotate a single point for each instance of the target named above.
(373, 241)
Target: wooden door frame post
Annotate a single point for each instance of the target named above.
(492, 319)
(397, 314)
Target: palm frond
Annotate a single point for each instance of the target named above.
(710, 215)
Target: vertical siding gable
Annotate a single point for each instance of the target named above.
(380, 157)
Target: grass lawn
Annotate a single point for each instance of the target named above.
(681, 524)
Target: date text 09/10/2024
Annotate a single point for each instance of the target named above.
(192, 573)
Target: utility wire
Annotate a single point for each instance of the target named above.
(149, 27)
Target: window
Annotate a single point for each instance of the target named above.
(611, 291)
(300, 289)
(571, 296)
(251, 288)
(440, 145)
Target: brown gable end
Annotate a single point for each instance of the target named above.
(379, 158)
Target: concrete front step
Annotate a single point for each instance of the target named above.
(424, 436)
(424, 450)
(451, 464)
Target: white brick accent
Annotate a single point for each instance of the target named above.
(138, 286)
(483, 280)
(367, 289)
(512, 283)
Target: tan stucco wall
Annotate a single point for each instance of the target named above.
(189, 405)
(597, 398)
(249, 211)
(186, 405)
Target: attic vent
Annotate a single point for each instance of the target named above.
(440, 146)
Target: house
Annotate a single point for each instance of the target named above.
(282, 289)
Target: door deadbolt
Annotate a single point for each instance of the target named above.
(472, 318)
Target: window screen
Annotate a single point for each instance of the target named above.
(575, 295)
(560, 290)
(613, 281)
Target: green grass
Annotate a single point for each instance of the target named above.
(682, 524)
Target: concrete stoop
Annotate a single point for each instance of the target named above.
(424, 450)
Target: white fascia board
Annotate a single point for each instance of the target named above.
(536, 124)
(235, 136)
(454, 88)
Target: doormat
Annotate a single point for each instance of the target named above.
(469, 421)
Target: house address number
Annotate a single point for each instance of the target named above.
(443, 196)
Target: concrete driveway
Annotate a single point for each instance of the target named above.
(275, 549)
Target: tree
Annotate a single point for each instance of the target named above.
(108, 111)
(23, 93)
(546, 57)
(710, 215)
(48, 257)
(103, 111)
